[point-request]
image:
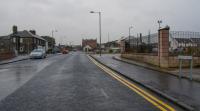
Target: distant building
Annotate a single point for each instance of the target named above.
(89, 44)
(21, 42)
(122, 44)
(112, 46)
(181, 39)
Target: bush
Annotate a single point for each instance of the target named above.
(110, 51)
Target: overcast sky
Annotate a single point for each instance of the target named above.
(73, 21)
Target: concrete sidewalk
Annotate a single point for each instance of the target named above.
(15, 59)
(21, 58)
(172, 71)
(182, 91)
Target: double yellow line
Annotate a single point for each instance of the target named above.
(156, 102)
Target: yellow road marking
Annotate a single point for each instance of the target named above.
(156, 102)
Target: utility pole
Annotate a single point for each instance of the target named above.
(149, 42)
(108, 37)
(129, 31)
(52, 32)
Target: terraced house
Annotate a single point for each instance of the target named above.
(20, 42)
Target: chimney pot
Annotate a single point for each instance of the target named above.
(33, 32)
(14, 29)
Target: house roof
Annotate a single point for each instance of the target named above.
(4, 37)
(183, 40)
(196, 40)
(184, 34)
(26, 33)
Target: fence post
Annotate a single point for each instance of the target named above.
(180, 68)
(191, 65)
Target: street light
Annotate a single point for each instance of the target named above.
(129, 30)
(99, 29)
(159, 22)
(53, 32)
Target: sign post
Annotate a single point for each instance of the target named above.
(181, 58)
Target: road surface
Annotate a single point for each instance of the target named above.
(70, 82)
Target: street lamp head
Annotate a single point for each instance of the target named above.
(91, 11)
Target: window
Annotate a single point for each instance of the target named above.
(21, 49)
(21, 40)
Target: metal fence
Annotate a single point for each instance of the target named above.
(184, 43)
(143, 44)
(180, 43)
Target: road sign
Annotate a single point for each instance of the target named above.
(185, 57)
(181, 58)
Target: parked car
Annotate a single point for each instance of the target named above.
(38, 53)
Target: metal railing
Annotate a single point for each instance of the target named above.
(144, 44)
(184, 43)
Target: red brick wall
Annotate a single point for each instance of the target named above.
(91, 42)
(6, 55)
(163, 46)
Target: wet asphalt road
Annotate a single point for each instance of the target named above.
(14, 75)
(65, 83)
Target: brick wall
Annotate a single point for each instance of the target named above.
(6, 55)
(174, 62)
(150, 59)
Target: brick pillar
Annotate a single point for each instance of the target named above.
(163, 47)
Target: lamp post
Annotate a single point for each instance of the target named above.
(159, 22)
(70, 43)
(129, 31)
(52, 32)
(99, 29)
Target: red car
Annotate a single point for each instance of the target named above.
(65, 52)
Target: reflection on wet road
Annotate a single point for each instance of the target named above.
(14, 75)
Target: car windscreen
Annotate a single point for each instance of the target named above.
(37, 50)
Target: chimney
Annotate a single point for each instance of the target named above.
(33, 32)
(141, 37)
(14, 29)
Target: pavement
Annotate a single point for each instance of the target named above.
(183, 90)
(172, 71)
(21, 58)
(69, 82)
(15, 59)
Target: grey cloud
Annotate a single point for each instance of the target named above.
(73, 21)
